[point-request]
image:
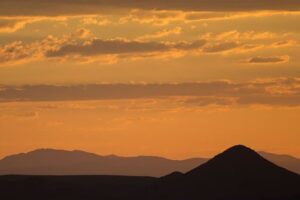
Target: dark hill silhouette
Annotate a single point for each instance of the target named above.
(61, 162)
(239, 173)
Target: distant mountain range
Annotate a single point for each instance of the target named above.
(239, 173)
(61, 162)
(289, 162)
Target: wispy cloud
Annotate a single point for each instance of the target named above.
(269, 59)
(161, 34)
(12, 24)
(120, 46)
(82, 46)
(273, 92)
(79, 7)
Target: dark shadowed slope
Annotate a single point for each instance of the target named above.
(289, 162)
(60, 162)
(237, 173)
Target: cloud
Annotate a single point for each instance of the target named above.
(160, 34)
(271, 92)
(227, 47)
(238, 42)
(81, 47)
(193, 16)
(206, 101)
(12, 24)
(221, 47)
(79, 7)
(155, 17)
(275, 100)
(9, 24)
(269, 60)
(21, 115)
(165, 17)
(120, 46)
(15, 52)
(95, 20)
(284, 43)
(18, 52)
(82, 33)
(242, 36)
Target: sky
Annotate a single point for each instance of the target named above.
(176, 78)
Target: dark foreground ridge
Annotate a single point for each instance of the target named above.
(237, 173)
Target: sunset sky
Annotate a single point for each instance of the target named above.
(170, 78)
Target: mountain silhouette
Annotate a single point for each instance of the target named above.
(61, 162)
(238, 173)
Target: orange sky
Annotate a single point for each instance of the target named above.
(169, 79)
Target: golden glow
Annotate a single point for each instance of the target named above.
(147, 127)
(142, 45)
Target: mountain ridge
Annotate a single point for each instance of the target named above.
(237, 173)
(51, 157)
(76, 162)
